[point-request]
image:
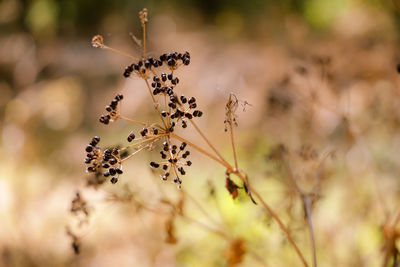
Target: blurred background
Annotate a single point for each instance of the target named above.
(321, 81)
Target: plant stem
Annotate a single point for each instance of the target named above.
(229, 121)
(137, 151)
(278, 220)
(200, 149)
(307, 204)
(119, 52)
(132, 120)
(233, 146)
(144, 40)
(308, 211)
(197, 204)
(206, 227)
(209, 143)
(155, 103)
(142, 141)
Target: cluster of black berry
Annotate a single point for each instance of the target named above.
(112, 110)
(174, 160)
(170, 59)
(108, 161)
(93, 154)
(178, 107)
(145, 132)
(111, 158)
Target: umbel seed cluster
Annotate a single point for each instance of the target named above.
(172, 60)
(174, 109)
(108, 160)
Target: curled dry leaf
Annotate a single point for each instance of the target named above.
(248, 192)
(170, 230)
(231, 186)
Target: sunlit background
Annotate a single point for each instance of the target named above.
(321, 81)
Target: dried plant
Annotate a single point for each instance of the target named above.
(175, 111)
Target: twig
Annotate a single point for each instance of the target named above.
(307, 205)
(199, 149)
(134, 153)
(231, 132)
(206, 227)
(308, 210)
(155, 103)
(142, 141)
(280, 223)
(119, 52)
(233, 146)
(209, 143)
(200, 207)
(133, 120)
(143, 20)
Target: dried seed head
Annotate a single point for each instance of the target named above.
(143, 16)
(97, 41)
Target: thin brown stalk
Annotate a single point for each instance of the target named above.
(231, 132)
(143, 141)
(202, 210)
(206, 227)
(144, 40)
(155, 103)
(280, 223)
(209, 143)
(134, 153)
(308, 210)
(307, 204)
(119, 52)
(133, 120)
(200, 149)
(233, 146)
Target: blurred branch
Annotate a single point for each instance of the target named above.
(307, 208)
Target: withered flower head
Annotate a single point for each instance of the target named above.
(97, 41)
